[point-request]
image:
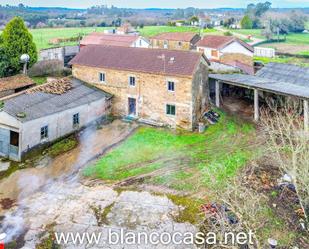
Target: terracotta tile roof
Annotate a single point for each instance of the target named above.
(97, 38)
(177, 36)
(220, 41)
(139, 59)
(15, 82)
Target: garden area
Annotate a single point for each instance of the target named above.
(225, 164)
(180, 160)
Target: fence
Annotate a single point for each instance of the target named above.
(264, 52)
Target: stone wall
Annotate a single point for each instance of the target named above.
(150, 91)
(174, 45)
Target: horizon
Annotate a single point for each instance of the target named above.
(139, 4)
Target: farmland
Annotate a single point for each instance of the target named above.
(42, 36)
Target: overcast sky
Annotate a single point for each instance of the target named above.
(155, 4)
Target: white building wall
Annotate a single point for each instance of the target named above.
(141, 43)
(60, 124)
(235, 47)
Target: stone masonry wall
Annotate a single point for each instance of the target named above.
(174, 45)
(150, 91)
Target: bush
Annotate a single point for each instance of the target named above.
(49, 68)
(228, 33)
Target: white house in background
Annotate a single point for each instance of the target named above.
(214, 46)
(98, 38)
(38, 116)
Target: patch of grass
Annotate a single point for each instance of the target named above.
(149, 31)
(41, 37)
(274, 227)
(191, 211)
(188, 160)
(284, 59)
(63, 146)
(101, 214)
(39, 80)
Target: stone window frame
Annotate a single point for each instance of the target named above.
(102, 73)
(129, 80)
(166, 109)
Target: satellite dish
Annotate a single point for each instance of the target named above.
(25, 58)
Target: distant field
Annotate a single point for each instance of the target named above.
(42, 36)
(149, 31)
(292, 38)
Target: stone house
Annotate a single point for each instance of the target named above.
(40, 116)
(176, 41)
(14, 84)
(122, 40)
(165, 87)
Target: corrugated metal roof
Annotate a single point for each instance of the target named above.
(285, 73)
(266, 84)
(39, 104)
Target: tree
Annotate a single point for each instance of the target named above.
(3, 63)
(255, 12)
(288, 143)
(246, 22)
(17, 40)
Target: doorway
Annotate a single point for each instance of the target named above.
(132, 106)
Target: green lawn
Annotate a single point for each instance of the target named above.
(284, 59)
(42, 36)
(149, 31)
(188, 160)
(292, 38)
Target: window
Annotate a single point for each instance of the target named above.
(76, 119)
(171, 110)
(44, 132)
(171, 86)
(214, 53)
(180, 44)
(102, 77)
(132, 81)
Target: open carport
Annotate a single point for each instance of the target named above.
(275, 78)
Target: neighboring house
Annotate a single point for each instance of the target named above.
(14, 84)
(126, 29)
(39, 115)
(165, 87)
(177, 41)
(214, 46)
(64, 54)
(98, 38)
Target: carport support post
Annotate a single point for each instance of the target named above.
(256, 105)
(306, 115)
(217, 93)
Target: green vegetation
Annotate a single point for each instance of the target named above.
(62, 146)
(246, 22)
(43, 36)
(101, 213)
(191, 211)
(149, 31)
(284, 59)
(189, 160)
(15, 41)
(39, 80)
